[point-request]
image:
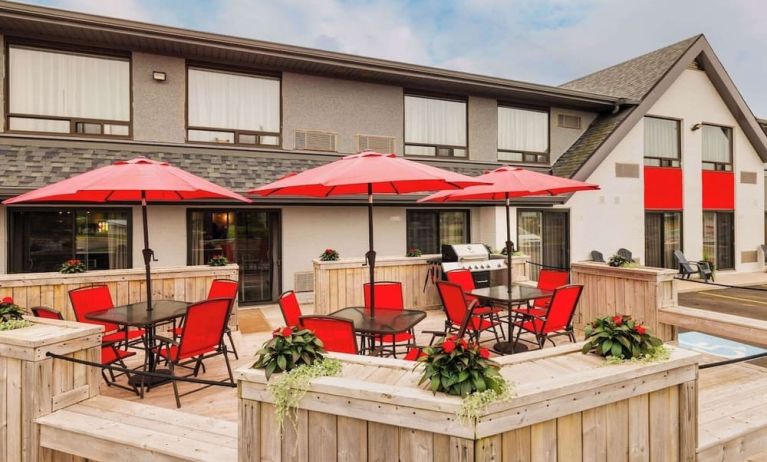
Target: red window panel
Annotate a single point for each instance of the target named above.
(662, 188)
(718, 190)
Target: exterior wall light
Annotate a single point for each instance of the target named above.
(159, 76)
(696, 127)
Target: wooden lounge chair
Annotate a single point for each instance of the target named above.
(688, 268)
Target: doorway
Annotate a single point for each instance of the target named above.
(719, 239)
(663, 235)
(544, 236)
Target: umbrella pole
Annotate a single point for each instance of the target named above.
(370, 256)
(509, 245)
(147, 252)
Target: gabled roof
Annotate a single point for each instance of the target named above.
(646, 78)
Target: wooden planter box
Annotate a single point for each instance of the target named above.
(338, 284)
(568, 406)
(640, 292)
(187, 283)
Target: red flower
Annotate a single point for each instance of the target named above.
(448, 346)
(8, 300)
(484, 353)
(463, 343)
(618, 320)
(640, 329)
(286, 332)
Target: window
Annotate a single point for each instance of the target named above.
(427, 230)
(523, 135)
(230, 108)
(719, 239)
(661, 142)
(663, 235)
(42, 239)
(544, 236)
(68, 93)
(435, 127)
(717, 148)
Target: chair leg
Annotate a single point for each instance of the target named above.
(231, 340)
(175, 385)
(228, 366)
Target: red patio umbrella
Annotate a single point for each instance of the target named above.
(137, 180)
(367, 173)
(507, 182)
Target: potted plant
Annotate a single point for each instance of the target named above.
(413, 252)
(218, 260)
(11, 315)
(620, 338)
(72, 266)
(329, 255)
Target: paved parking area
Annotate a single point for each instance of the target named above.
(750, 302)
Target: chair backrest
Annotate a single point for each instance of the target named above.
(550, 279)
(48, 313)
(388, 295)
(562, 308)
(680, 257)
(597, 256)
(223, 288)
(453, 301)
(87, 300)
(291, 310)
(204, 327)
(625, 253)
(336, 334)
(463, 278)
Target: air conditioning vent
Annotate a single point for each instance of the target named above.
(303, 281)
(568, 121)
(748, 177)
(626, 170)
(382, 144)
(312, 140)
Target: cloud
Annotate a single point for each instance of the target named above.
(543, 41)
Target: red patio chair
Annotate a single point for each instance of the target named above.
(558, 319)
(457, 310)
(463, 278)
(389, 297)
(548, 279)
(110, 355)
(47, 313)
(335, 333)
(202, 338)
(87, 300)
(220, 288)
(290, 308)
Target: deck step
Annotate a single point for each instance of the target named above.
(109, 429)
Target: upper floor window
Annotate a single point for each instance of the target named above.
(523, 135)
(661, 142)
(435, 127)
(225, 107)
(64, 92)
(717, 148)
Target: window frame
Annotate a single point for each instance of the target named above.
(73, 121)
(525, 154)
(663, 213)
(438, 212)
(437, 147)
(12, 251)
(248, 72)
(666, 162)
(718, 166)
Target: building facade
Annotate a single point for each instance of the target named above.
(678, 155)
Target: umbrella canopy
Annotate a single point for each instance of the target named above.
(367, 173)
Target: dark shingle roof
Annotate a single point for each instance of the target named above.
(634, 78)
(28, 167)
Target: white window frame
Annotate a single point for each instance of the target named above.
(527, 156)
(429, 148)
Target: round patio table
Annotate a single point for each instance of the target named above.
(501, 296)
(385, 322)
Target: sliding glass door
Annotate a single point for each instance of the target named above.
(248, 237)
(544, 236)
(663, 235)
(719, 239)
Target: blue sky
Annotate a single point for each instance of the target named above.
(543, 41)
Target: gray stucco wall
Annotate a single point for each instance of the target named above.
(563, 138)
(483, 129)
(344, 107)
(159, 107)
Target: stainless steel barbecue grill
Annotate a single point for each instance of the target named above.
(473, 257)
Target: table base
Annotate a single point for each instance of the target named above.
(507, 348)
(149, 382)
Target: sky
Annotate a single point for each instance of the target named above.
(542, 41)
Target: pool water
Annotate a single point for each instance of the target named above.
(705, 343)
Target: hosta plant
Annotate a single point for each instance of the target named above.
(10, 311)
(329, 255)
(72, 266)
(289, 348)
(413, 252)
(218, 260)
(621, 338)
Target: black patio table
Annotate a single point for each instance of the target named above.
(136, 315)
(385, 322)
(502, 297)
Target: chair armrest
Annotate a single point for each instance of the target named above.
(162, 339)
(437, 333)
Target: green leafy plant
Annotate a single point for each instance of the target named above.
(413, 252)
(218, 260)
(15, 324)
(289, 348)
(329, 255)
(621, 338)
(72, 266)
(617, 261)
(289, 388)
(10, 311)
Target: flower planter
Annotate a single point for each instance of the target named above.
(567, 404)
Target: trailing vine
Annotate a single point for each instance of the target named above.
(15, 324)
(474, 404)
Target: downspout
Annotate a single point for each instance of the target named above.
(617, 106)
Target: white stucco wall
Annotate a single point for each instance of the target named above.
(167, 235)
